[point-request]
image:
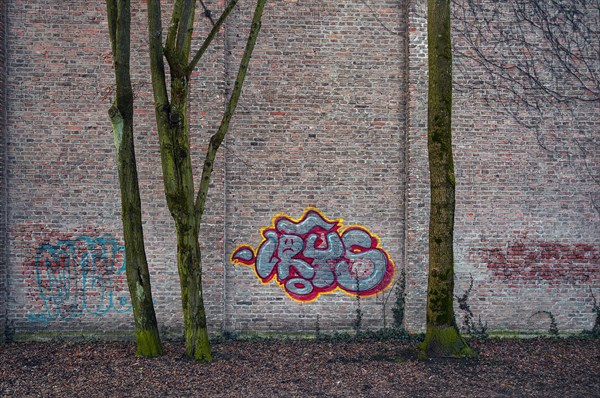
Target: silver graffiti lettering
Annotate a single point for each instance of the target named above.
(289, 246)
(264, 259)
(311, 220)
(309, 257)
(324, 258)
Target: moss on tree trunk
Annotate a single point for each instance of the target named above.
(121, 116)
(189, 260)
(173, 131)
(442, 335)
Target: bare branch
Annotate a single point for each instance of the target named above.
(208, 13)
(218, 137)
(111, 12)
(159, 85)
(185, 30)
(173, 28)
(213, 33)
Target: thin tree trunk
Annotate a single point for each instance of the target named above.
(219, 136)
(442, 335)
(121, 115)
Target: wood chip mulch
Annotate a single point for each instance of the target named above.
(539, 367)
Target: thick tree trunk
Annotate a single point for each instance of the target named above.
(181, 204)
(121, 115)
(189, 261)
(173, 133)
(442, 335)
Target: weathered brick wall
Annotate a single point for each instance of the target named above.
(417, 175)
(312, 110)
(66, 252)
(333, 116)
(527, 227)
(63, 198)
(320, 124)
(3, 243)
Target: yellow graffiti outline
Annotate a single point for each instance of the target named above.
(340, 230)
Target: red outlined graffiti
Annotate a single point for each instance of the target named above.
(313, 255)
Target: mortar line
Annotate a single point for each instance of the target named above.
(227, 93)
(4, 145)
(407, 157)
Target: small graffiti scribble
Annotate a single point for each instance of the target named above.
(313, 255)
(83, 275)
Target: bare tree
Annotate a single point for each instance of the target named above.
(172, 118)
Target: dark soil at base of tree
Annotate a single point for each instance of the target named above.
(537, 367)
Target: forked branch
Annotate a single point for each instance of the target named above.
(217, 138)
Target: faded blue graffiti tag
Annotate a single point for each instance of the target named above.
(81, 276)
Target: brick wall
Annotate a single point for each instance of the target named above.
(3, 192)
(417, 176)
(64, 201)
(61, 170)
(321, 124)
(528, 227)
(527, 222)
(333, 117)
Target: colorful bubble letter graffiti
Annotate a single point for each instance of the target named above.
(313, 255)
(83, 275)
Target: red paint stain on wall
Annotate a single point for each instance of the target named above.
(532, 261)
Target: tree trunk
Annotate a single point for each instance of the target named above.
(178, 179)
(189, 261)
(181, 204)
(442, 335)
(121, 115)
(173, 131)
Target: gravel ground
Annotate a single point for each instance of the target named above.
(303, 368)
